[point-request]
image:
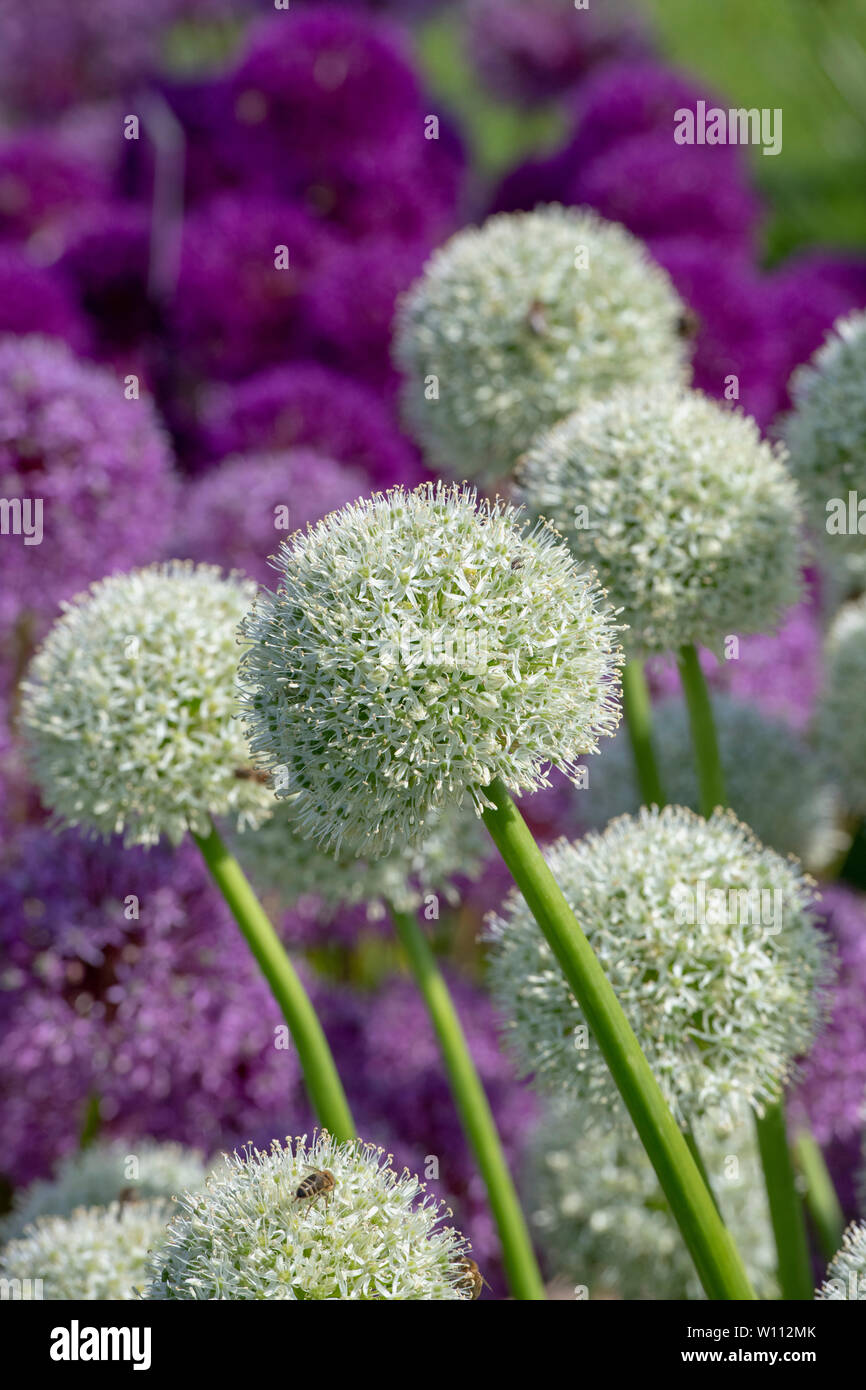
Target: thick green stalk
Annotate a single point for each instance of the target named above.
(320, 1073)
(786, 1206)
(711, 781)
(716, 1257)
(638, 719)
(696, 1154)
(821, 1198)
(474, 1109)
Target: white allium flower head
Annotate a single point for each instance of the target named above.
(95, 1253)
(846, 1274)
(774, 782)
(134, 1170)
(690, 517)
(516, 320)
(247, 1236)
(826, 432)
(280, 860)
(420, 645)
(129, 709)
(723, 991)
(841, 731)
(602, 1220)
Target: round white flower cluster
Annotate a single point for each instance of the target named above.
(511, 322)
(602, 1220)
(846, 1275)
(95, 1253)
(826, 434)
(129, 709)
(370, 1235)
(419, 646)
(841, 732)
(709, 944)
(690, 517)
(105, 1172)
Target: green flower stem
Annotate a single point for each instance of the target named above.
(92, 1123)
(711, 781)
(696, 1154)
(716, 1258)
(821, 1198)
(786, 1206)
(638, 718)
(320, 1073)
(475, 1114)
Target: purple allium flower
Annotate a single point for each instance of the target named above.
(399, 8)
(534, 182)
(35, 298)
(324, 109)
(831, 1095)
(622, 159)
(19, 799)
(353, 301)
(657, 188)
(64, 51)
(95, 464)
(811, 291)
(735, 329)
(106, 257)
(407, 187)
(242, 301)
(533, 50)
(126, 978)
(633, 98)
(779, 672)
(334, 115)
(91, 133)
(326, 83)
(42, 182)
(47, 1054)
(236, 515)
(308, 405)
(411, 191)
(222, 154)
